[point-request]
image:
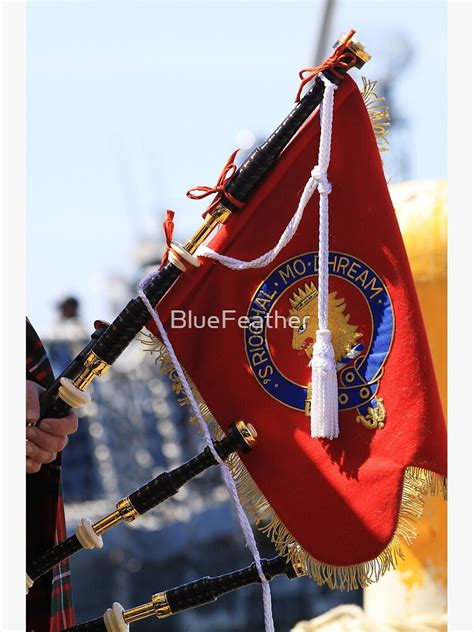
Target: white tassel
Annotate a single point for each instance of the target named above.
(324, 406)
(324, 395)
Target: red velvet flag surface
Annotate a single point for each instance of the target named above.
(347, 501)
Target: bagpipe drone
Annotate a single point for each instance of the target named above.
(191, 595)
(348, 446)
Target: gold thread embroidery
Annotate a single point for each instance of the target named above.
(304, 309)
(375, 417)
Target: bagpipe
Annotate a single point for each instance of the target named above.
(335, 506)
(190, 595)
(109, 341)
(241, 436)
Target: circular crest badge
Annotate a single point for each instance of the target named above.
(283, 323)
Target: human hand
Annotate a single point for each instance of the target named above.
(49, 437)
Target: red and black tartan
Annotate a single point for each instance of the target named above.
(49, 606)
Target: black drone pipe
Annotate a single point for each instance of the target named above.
(192, 595)
(241, 437)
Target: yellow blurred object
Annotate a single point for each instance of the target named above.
(413, 598)
(420, 581)
(421, 208)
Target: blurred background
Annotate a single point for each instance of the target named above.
(129, 104)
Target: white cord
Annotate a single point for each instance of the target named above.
(226, 475)
(320, 173)
(268, 257)
(324, 393)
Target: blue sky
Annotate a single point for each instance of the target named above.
(129, 104)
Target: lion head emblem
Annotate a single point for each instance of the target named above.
(304, 305)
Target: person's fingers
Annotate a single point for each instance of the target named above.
(37, 454)
(32, 467)
(59, 427)
(46, 441)
(33, 392)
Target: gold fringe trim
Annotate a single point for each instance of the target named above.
(378, 113)
(417, 484)
(155, 346)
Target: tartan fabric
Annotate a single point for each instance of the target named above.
(49, 606)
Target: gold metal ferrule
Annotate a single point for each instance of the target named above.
(106, 523)
(357, 47)
(93, 367)
(158, 607)
(299, 567)
(219, 216)
(295, 557)
(247, 432)
(139, 612)
(161, 606)
(127, 510)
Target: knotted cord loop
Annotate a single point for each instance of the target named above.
(324, 186)
(224, 178)
(168, 229)
(342, 58)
